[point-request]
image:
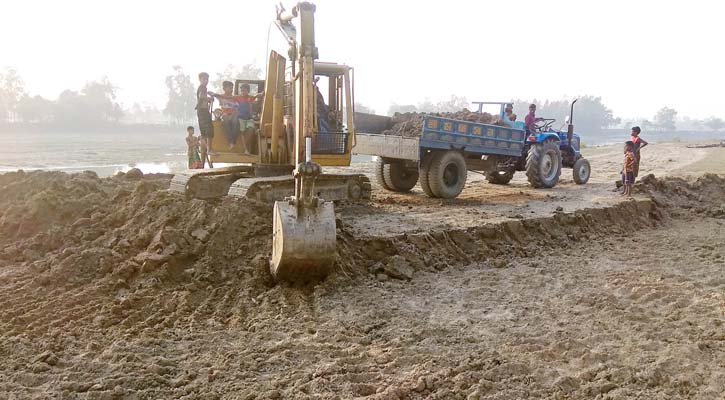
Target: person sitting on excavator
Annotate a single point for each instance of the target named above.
(323, 125)
(531, 119)
(230, 112)
(244, 113)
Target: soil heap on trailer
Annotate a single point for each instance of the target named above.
(447, 146)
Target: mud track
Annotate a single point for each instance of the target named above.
(116, 288)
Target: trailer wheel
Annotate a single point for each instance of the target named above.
(423, 175)
(543, 164)
(582, 171)
(379, 169)
(447, 174)
(500, 177)
(399, 178)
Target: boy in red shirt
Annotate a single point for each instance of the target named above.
(244, 109)
(230, 113)
(638, 143)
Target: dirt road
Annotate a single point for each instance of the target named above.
(117, 289)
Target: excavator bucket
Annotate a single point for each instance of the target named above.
(303, 241)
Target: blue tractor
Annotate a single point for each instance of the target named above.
(544, 153)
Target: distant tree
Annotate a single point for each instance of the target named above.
(628, 123)
(359, 107)
(94, 106)
(180, 105)
(35, 109)
(665, 119)
(646, 124)
(427, 106)
(71, 110)
(101, 101)
(714, 123)
(590, 114)
(232, 72)
(12, 89)
(454, 104)
(689, 124)
(401, 108)
(144, 113)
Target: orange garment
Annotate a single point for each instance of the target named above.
(629, 162)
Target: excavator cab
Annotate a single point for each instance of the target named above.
(334, 128)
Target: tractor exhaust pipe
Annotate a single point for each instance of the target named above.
(570, 126)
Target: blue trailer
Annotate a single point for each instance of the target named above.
(447, 149)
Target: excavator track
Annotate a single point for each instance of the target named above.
(208, 183)
(329, 187)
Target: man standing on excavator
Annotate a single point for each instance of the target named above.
(203, 114)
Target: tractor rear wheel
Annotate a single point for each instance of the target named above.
(500, 177)
(423, 175)
(582, 171)
(543, 164)
(379, 169)
(447, 174)
(398, 177)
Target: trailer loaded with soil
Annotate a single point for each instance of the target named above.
(446, 149)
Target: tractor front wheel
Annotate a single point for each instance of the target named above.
(582, 171)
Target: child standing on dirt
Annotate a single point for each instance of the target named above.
(638, 143)
(628, 168)
(192, 144)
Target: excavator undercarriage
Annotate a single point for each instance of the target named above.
(243, 182)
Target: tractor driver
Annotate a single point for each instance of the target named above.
(531, 119)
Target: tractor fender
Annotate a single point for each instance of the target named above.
(541, 137)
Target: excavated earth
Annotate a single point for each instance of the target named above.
(116, 288)
(411, 124)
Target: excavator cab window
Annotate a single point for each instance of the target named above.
(332, 132)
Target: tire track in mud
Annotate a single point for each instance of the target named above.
(496, 242)
(150, 309)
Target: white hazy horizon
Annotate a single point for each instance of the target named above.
(638, 56)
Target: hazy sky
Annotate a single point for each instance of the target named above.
(637, 55)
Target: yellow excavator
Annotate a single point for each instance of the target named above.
(296, 134)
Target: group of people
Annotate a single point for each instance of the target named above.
(632, 147)
(630, 166)
(236, 117)
(509, 118)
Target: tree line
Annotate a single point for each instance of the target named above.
(95, 105)
(590, 114)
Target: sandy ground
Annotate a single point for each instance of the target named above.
(481, 202)
(117, 289)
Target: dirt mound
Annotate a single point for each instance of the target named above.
(705, 195)
(399, 257)
(411, 124)
(118, 288)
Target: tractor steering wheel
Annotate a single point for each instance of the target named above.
(545, 126)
